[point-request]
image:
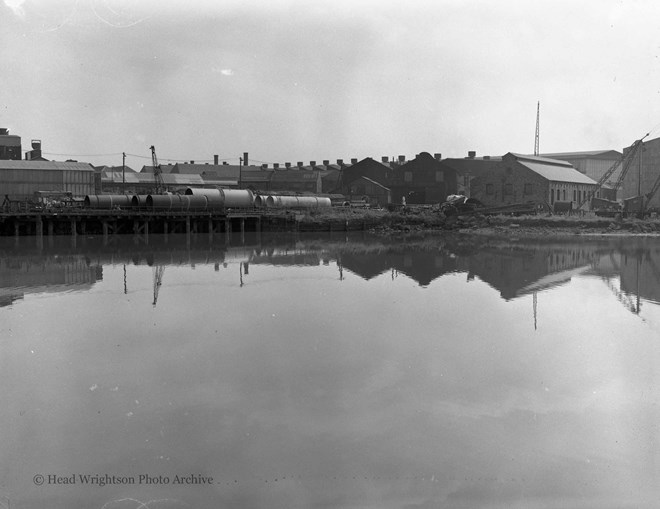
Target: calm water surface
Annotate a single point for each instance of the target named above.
(333, 372)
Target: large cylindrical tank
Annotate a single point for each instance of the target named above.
(260, 201)
(108, 201)
(203, 191)
(164, 202)
(238, 198)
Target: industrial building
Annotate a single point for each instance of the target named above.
(422, 180)
(643, 173)
(594, 164)
(520, 178)
(19, 180)
(10, 145)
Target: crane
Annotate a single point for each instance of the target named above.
(625, 162)
(641, 202)
(158, 173)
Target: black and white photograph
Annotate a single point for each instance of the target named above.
(329, 254)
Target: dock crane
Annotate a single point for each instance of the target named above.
(625, 162)
(158, 173)
(640, 204)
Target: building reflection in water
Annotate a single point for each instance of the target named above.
(629, 267)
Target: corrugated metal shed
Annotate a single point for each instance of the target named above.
(558, 173)
(45, 165)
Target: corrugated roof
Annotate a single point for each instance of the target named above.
(539, 159)
(186, 179)
(586, 153)
(44, 165)
(557, 173)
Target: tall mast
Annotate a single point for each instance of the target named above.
(536, 137)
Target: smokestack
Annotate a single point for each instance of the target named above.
(245, 158)
(215, 159)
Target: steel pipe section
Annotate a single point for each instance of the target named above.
(259, 201)
(108, 201)
(238, 198)
(203, 191)
(298, 202)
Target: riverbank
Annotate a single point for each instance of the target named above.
(424, 219)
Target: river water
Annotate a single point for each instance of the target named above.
(329, 372)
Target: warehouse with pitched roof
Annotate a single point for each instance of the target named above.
(521, 179)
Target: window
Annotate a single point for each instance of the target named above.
(407, 176)
(564, 194)
(558, 198)
(574, 195)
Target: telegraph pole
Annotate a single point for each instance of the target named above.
(123, 172)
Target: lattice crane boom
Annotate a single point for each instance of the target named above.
(158, 172)
(625, 162)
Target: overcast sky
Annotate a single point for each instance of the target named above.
(305, 80)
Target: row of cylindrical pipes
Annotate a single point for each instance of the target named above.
(205, 199)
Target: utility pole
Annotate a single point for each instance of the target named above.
(536, 137)
(123, 172)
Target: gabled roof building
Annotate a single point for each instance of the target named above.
(519, 178)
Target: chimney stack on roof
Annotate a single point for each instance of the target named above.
(300, 164)
(384, 159)
(472, 154)
(402, 159)
(326, 162)
(276, 166)
(340, 162)
(215, 159)
(437, 156)
(354, 160)
(287, 165)
(312, 164)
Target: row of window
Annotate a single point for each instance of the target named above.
(561, 195)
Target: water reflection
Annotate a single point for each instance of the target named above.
(629, 267)
(325, 371)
